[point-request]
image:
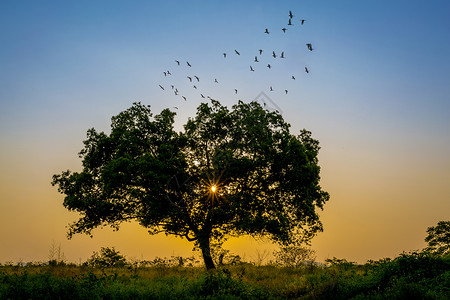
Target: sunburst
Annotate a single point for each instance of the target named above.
(213, 188)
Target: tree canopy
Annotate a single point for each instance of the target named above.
(438, 238)
(229, 173)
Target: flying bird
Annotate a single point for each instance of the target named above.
(306, 70)
(286, 91)
(291, 15)
(202, 95)
(176, 93)
(273, 54)
(284, 29)
(215, 80)
(303, 21)
(282, 54)
(267, 31)
(190, 79)
(271, 89)
(309, 47)
(161, 87)
(290, 23)
(177, 62)
(269, 66)
(198, 79)
(235, 91)
(293, 77)
(175, 107)
(256, 59)
(195, 87)
(260, 51)
(224, 55)
(189, 65)
(172, 86)
(237, 52)
(251, 69)
(165, 74)
(183, 98)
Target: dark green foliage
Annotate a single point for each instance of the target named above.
(107, 258)
(266, 179)
(438, 238)
(409, 276)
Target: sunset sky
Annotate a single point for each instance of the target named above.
(377, 97)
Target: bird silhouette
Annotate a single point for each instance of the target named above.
(290, 14)
(237, 52)
(282, 54)
(290, 23)
(273, 54)
(256, 59)
(267, 31)
(224, 55)
(172, 86)
(190, 79)
(286, 91)
(198, 79)
(306, 70)
(269, 66)
(175, 107)
(271, 89)
(251, 69)
(176, 93)
(303, 21)
(195, 87)
(260, 51)
(284, 29)
(235, 91)
(168, 73)
(161, 87)
(309, 47)
(189, 65)
(183, 98)
(165, 74)
(293, 77)
(202, 95)
(177, 62)
(215, 80)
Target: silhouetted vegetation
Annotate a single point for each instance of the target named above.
(438, 238)
(230, 172)
(417, 275)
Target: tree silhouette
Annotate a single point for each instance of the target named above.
(438, 238)
(231, 172)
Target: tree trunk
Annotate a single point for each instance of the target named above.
(206, 252)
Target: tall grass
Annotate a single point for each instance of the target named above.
(409, 276)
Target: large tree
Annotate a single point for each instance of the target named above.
(229, 173)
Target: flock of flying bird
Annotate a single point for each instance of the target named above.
(195, 80)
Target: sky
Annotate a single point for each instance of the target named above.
(377, 97)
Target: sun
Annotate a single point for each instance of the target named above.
(213, 188)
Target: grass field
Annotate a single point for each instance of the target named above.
(409, 276)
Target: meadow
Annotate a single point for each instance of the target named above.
(416, 275)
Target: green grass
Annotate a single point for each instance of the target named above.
(409, 276)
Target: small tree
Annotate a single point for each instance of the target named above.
(294, 255)
(438, 238)
(229, 173)
(107, 258)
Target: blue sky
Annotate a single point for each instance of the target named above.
(377, 98)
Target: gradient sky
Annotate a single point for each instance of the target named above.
(377, 98)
